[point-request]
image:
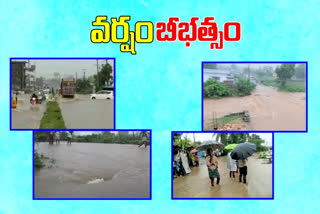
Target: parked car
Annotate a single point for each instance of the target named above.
(104, 94)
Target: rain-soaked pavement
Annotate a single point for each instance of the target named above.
(90, 170)
(269, 109)
(26, 116)
(197, 183)
(81, 112)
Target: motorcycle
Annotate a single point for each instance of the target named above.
(33, 100)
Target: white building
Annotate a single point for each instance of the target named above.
(217, 74)
(30, 76)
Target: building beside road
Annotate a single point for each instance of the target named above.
(222, 76)
(18, 75)
(22, 75)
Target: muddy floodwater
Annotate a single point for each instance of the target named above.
(81, 112)
(198, 185)
(27, 116)
(268, 109)
(90, 170)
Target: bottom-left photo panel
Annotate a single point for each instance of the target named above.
(99, 164)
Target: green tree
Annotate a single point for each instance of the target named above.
(223, 137)
(210, 65)
(254, 138)
(301, 71)
(63, 136)
(83, 86)
(183, 143)
(40, 136)
(104, 77)
(244, 86)
(238, 138)
(177, 136)
(214, 89)
(285, 72)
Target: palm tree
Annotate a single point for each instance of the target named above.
(222, 136)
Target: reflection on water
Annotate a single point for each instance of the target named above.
(89, 170)
(82, 112)
(197, 183)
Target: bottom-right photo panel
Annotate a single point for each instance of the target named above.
(222, 165)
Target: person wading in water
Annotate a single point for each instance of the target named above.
(212, 164)
(144, 138)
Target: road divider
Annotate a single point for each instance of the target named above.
(52, 118)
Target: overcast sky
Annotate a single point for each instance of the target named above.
(252, 65)
(208, 136)
(46, 68)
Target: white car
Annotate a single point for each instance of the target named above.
(102, 95)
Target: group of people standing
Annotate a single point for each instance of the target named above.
(233, 165)
(54, 136)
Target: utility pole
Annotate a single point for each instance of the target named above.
(84, 73)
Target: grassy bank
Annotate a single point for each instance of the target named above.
(41, 161)
(224, 120)
(290, 86)
(221, 121)
(37, 161)
(52, 118)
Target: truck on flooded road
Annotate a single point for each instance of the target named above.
(67, 88)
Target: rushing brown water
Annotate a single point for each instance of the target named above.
(197, 183)
(89, 170)
(268, 108)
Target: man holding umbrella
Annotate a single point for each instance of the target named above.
(243, 171)
(241, 152)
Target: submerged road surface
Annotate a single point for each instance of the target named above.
(90, 170)
(81, 112)
(269, 109)
(26, 116)
(198, 185)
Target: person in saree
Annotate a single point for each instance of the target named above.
(212, 164)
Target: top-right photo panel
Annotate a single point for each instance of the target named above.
(264, 96)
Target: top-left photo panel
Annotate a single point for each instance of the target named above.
(62, 93)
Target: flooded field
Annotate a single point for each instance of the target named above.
(90, 170)
(26, 116)
(82, 112)
(197, 183)
(268, 109)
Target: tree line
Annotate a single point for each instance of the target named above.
(224, 138)
(103, 137)
(104, 76)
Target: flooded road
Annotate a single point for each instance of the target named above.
(90, 170)
(81, 112)
(26, 116)
(197, 183)
(268, 108)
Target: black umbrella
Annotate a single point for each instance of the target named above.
(210, 144)
(243, 151)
